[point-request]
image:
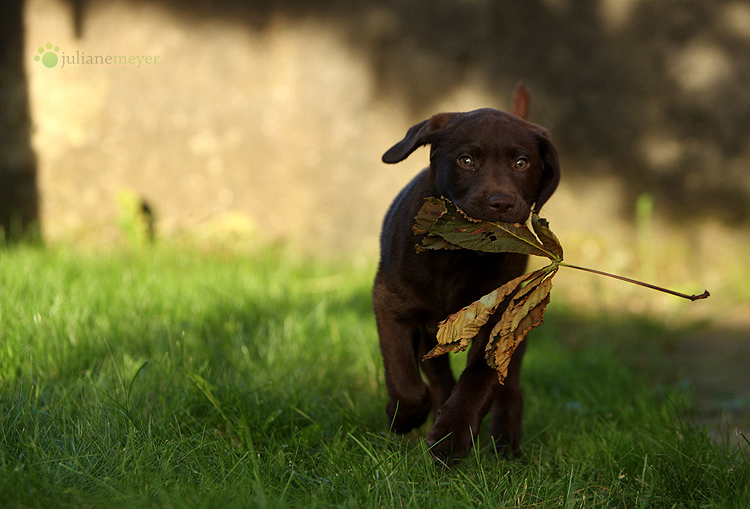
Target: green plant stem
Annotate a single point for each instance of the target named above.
(693, 297)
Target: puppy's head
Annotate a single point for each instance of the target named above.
(493, 165)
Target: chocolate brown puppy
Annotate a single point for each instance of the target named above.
(495, 166)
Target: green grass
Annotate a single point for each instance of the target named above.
(180, 378)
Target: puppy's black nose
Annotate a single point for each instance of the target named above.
(501, 202)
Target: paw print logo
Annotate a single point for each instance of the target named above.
(48, 56)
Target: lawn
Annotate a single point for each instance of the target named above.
(180, 377)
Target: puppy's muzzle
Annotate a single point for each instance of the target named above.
(501, 203)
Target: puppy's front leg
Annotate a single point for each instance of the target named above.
(439, 376)
(508, 408)
(458, 421)
(409, 398)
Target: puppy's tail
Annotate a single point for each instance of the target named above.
(520, 103)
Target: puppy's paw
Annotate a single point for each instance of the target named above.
(506, 448)
(404, 416)
(449, 441)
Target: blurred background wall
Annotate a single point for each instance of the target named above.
(272, 115)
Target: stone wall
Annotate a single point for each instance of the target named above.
(278, 111)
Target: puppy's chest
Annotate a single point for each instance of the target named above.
(454, 282)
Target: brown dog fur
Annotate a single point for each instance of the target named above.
(495, 166)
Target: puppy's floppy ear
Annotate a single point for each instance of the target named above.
(550, 170)
(420, 134)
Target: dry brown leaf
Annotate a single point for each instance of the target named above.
(444, 226)
(440, 218)
(549, 239)
(525, 311)
(456, 332)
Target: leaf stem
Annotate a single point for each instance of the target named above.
(693, 297)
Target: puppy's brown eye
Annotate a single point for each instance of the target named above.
(522, 163)
(466, 161)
